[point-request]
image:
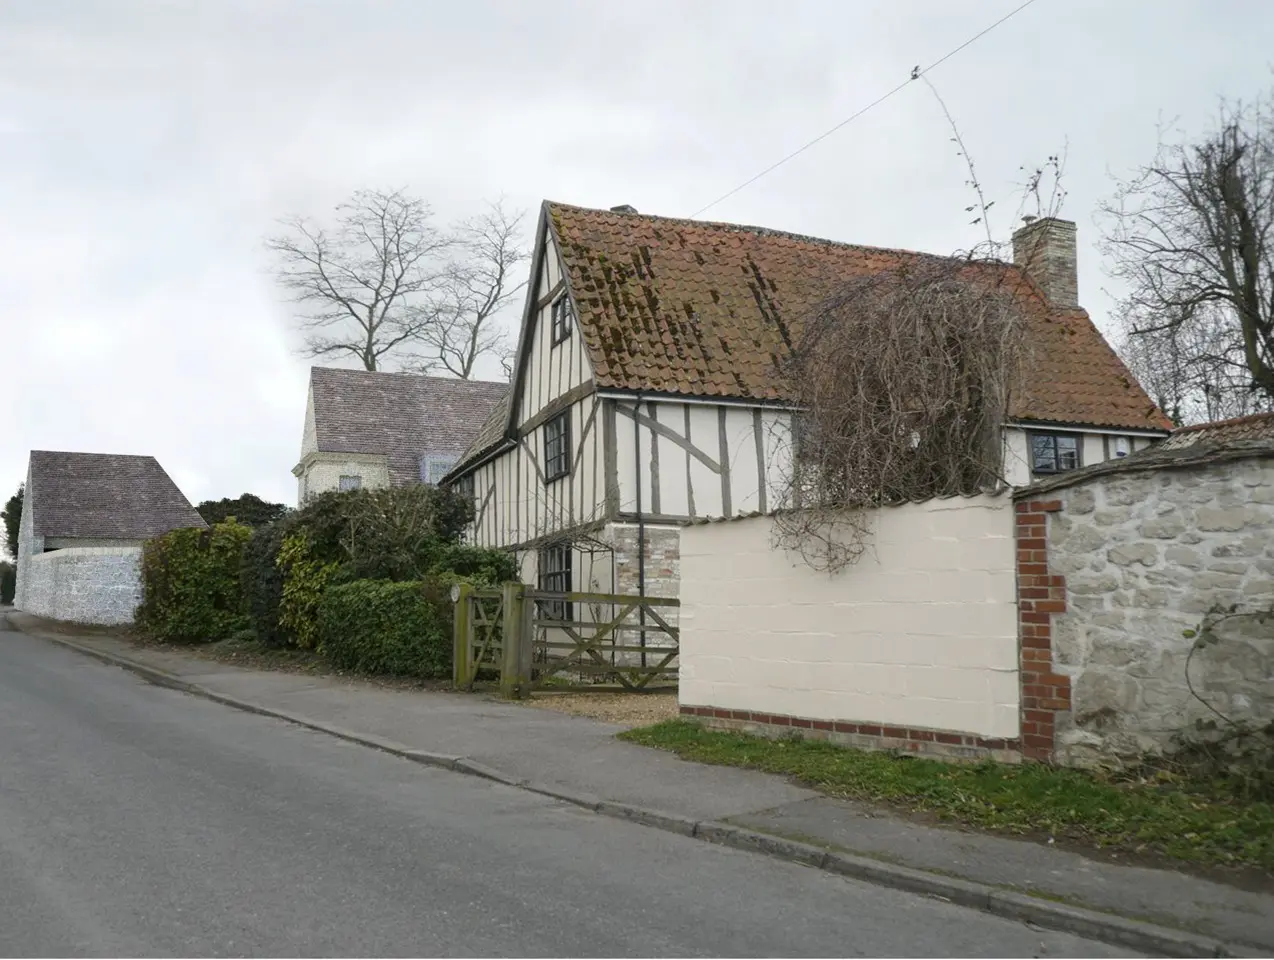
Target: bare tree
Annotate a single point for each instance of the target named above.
(367, 284)
(1192, 235)
(1195, 371)
(481, 280)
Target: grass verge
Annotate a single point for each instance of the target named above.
(1196, 822)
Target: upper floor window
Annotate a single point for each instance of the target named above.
(557, 446)
(1054, 452)
(434, 468)
(464, 486)
(351, 482)
(563, 319)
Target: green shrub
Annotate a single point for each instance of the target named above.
(378, 626)
(478, 565)
(191, 589)
(304, 580)
(261, 580)
(8, 582)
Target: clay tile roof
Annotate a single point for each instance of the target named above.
(708, 309)
(398, 415)
(1257, 426)
(104, 496)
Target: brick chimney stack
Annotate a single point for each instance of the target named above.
(1045, 249)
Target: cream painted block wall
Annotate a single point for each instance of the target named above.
(323, 474)
(920, 632)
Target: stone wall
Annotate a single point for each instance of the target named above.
(1139, 557)
(99, 585)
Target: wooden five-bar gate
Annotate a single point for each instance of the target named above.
(526, 636)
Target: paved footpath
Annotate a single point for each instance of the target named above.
(579, 760)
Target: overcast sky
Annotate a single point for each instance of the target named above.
(147, 146)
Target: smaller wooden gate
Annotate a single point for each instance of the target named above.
(524, 637)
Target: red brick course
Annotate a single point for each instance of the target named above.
(909, 739)
(1040, 595)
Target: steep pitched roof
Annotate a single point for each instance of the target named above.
(709, 309)
(398, 415)
(1257, 426)
(104, 496)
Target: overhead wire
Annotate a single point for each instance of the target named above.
(916, 73)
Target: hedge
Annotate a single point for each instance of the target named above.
(190, 584)
(398, 534)
(8, 582)
(378, 626)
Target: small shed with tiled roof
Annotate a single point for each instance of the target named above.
(84, 519)
(372, 428)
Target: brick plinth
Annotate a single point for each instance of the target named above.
(946, 744)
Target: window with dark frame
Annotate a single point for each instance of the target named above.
(562, 319)
(464, 487)
(557, 447)
(1054, 453)
(555, 576)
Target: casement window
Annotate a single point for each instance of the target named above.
(555, 575)
(350, 482)
(557, 447)
(1054, 453)
(563, 319)
(434, 468)
(464, 487)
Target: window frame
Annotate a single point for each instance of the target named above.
(561, 320)
(556, 577)
(343, 487)
(466, 487)
(553, 470)
(431, 460)
(1054, 436)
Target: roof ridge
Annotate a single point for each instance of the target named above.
(788, 234)
(1230, 422)
(407, 374)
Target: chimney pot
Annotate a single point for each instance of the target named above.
(1045, 249)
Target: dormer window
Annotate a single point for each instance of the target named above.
(563, 319)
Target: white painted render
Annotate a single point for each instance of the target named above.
(552, 369)
(920, 632)
(1095, 447)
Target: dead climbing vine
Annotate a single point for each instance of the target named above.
(902, 380)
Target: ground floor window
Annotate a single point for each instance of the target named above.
(555, 575)
(351, 482)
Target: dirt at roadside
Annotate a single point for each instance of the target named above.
(624, 709)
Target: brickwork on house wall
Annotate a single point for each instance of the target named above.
(1041, 594)
(945, 744)
(663, 566)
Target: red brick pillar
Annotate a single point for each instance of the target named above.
(1040, 595)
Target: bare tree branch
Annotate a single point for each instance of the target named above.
(1192, 235)
(482, 279)
(365, 286)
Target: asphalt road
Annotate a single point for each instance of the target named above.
(138, 821)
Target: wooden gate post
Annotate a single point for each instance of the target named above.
(512, 683)
(461, 645)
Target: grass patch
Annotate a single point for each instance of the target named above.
(1197, 822)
